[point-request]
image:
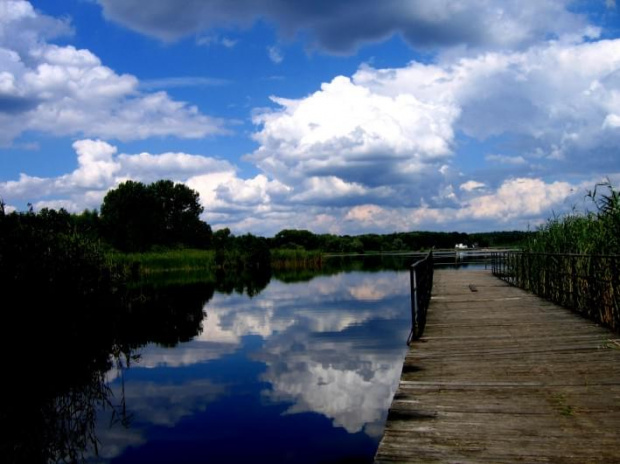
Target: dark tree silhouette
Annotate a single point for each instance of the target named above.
(136, 217)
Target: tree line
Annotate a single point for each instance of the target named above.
(135, 217)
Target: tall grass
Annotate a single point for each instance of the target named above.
(574, 260)
(208, 263)
(296, 259)
(140, 264)
(594, 232)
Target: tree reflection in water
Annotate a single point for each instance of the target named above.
(67, 320)
(78, 337)
(58, 383)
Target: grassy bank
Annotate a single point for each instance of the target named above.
(296, 259)
(140, 264)
(164, 261)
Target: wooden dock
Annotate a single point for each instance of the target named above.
(501, 376)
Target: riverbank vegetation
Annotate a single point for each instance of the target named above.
(593, 232)
(144, 229)
(574, 260)
(84, 288)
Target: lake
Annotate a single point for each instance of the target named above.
(298, 372)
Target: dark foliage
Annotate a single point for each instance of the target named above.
(137, 217)
(398, 241)
(66, 305)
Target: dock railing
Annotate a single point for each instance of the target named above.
(421, 281)
(588, 284)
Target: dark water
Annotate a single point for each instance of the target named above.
(190, 370)
(301, 372)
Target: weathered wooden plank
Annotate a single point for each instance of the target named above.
(503, 376)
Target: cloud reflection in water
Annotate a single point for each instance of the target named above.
(332, 346)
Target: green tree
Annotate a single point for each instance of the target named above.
(136, 217)
(293, 238)
(178, 209)
(222, 239)
(128, 216)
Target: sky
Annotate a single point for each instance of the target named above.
(336, 116)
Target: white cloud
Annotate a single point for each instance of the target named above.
(275, 54)
(100, 168)
(328, 189)
(366, 214)
(553, 98)
(472, 185)
(504, 159)
(228, 199)
(346, 130)
(381, 150)
(177, 166)
(516, 203)
(612, 121)
(342, 395)
(266, 206)
(62, 90)
(214, 39)
(22, 28)
(386, 138)
(519, 198)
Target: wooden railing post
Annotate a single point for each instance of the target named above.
(589, 284)
(421, 283)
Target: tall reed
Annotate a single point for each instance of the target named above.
(296, 259)
(137, 264)
(591, 232)
(575, 260)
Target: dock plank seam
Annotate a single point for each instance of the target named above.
(502, 376)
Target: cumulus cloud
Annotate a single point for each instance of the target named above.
(341, 26)
(265, 206)
(63, 90)
(471, 185)
(101, 168)
(228, 199)
(518, 198)
(380, 150)
(516, 203)
(554, 99)
(351, 132)
(379, 144)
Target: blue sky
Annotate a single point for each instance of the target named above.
(342, 116)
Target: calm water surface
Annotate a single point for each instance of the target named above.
(300, 372)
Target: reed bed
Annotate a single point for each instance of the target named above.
(574, 260)
(588, 284)
(209, 261)
(283, 259)
(140, 264)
